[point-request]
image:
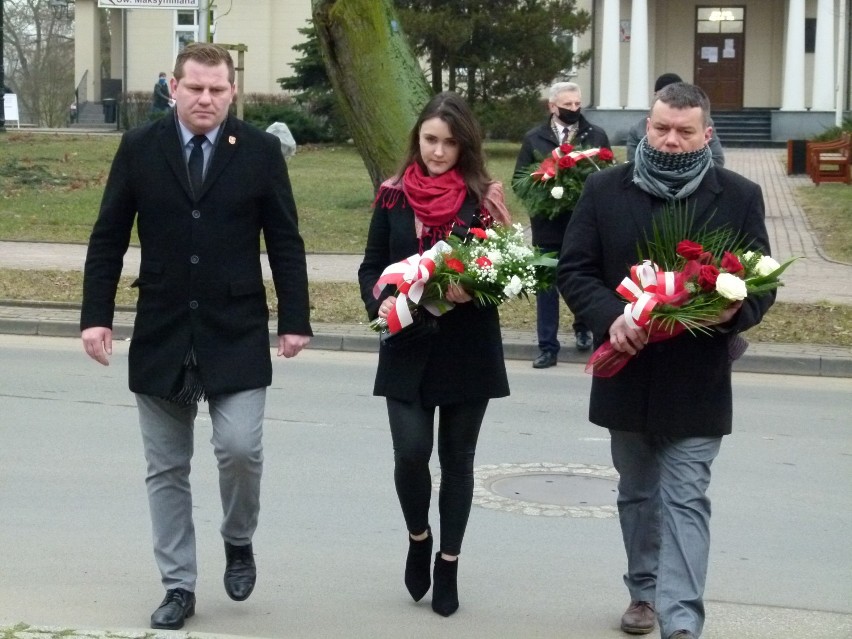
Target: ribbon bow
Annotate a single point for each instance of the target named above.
(647, 287)
(410, 277)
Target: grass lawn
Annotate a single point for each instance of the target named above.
(51, 185)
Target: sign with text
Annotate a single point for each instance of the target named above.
(148, 4)
(10, 108)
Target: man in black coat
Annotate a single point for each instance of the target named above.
(566, 124)
(201, 186)
(669, 407)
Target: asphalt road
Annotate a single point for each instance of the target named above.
(331, 542)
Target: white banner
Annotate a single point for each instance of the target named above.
(10, 108)
(148, 4)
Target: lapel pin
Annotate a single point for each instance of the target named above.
(232, 139)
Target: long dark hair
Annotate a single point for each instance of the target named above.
(453, 110)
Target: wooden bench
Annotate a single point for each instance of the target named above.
(830, 161)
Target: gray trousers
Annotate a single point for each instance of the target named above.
(167, 437)
(665, 522)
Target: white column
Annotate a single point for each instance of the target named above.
(637, 83)
(610, 73)
(87, 48)
(823, 90)
(842, 38)
(793, 93)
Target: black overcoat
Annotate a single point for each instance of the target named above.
(200, 281)
(681, 386)
(463, 361)
(538, 143)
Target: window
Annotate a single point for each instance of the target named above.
(186, 29)
(720, 20)
(565, 40)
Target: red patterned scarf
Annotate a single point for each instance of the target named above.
(435, 200)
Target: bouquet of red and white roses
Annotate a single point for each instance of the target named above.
(682, 284)
(553, 186)
(493, 265)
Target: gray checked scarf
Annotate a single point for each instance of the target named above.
(671, 176)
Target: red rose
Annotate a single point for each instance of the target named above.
(566, 162)
(606, 155)
(690, 269)
(731, 263)
(455, 265)
(566, 148)
(706, 257)
(483, 261)
(689, 250)
(707, 277)
(478, 232)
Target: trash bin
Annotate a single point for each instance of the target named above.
(109, 105)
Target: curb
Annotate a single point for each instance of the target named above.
(778, 359)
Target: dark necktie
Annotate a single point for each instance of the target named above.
(196, 163)
(566, 135)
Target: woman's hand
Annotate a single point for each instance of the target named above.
(387, 306)
(457, 294)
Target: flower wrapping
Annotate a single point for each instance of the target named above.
(552, 187)
(493, 265)
(685, 283)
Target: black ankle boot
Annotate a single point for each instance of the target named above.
(417, 578)
(445, 594)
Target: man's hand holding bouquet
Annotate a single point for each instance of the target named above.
(686, 280)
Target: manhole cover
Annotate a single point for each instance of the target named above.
(557, 489)
(545, 489)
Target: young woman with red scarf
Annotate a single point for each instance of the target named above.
(442, 188)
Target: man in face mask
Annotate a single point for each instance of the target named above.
(160, 99)
(566, 124)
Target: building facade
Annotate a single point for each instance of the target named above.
(788, 57)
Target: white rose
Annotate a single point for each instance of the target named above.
(766, 265)
(513, 287)
(557, 192)
(731, 287)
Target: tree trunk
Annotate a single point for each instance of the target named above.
(378, 84)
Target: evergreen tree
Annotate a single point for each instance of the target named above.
(311, 86)
(495, 49)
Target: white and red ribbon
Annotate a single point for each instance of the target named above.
(646, 287)
(410, 277)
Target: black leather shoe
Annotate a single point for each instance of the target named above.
(584, 340)
(178, 606)
(545, 359)
(240, 571)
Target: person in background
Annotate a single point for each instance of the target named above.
(669, 407)
(161, 100)
(637, 131)
(565, 124)
(201, 187)
(441, 188)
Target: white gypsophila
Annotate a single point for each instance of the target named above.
(766, 265)
(557, 192)
(490, 233)
(731, 287)
(495, 256)
(513, 287)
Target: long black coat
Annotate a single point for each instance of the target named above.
(681, 386)
(200, 279)
(538, 143)
(463, 361)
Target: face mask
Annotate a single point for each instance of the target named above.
(162, 80)
(569, 117)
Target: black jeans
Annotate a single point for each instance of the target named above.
(412, 429)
